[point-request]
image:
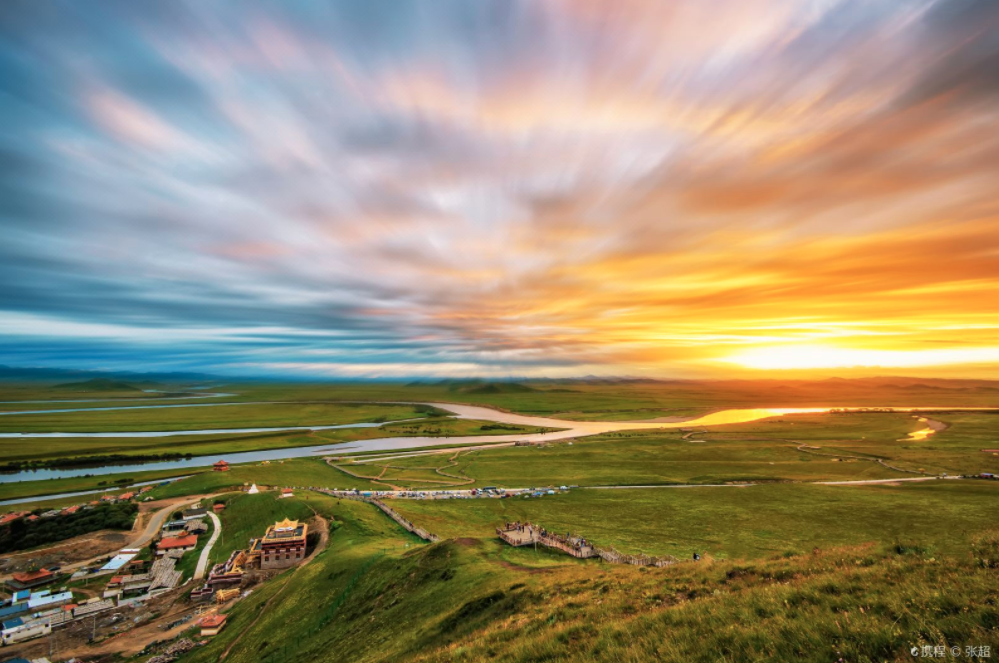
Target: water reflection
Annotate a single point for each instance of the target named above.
(569, 429)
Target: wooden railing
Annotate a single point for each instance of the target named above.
(389, 511)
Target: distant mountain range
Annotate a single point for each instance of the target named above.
(512, 384)
(32, 374)
(98, 384)
(802, 386)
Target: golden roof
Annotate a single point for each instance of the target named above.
(286, 524)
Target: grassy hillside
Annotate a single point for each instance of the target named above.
(847, 604)
(97, 384)
(377, 595)
(247, 516)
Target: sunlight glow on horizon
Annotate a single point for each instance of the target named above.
(805, 357)
(523, 188)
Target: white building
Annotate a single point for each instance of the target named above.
(27, 631)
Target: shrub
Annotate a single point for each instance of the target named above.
(985, 550)
(21, 534)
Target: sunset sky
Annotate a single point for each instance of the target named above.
(498, 188)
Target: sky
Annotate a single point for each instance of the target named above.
(498, 188)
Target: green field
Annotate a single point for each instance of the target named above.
(209, 416)
(77, 451)
(95, 482)
(734, 522)
(377, 595)
(841, 447)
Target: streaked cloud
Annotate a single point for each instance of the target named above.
(500, 188)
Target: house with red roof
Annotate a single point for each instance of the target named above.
(182, 543)
(11, 517)
(212, 624)
(30, 579)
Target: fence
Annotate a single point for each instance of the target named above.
(405, 524)
(390, 512)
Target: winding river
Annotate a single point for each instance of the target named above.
(568, 429)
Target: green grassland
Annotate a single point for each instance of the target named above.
(959, 448)
(650, 459)
(77, 449)
(281, 619)
(377, 594)
(763, 451)
(44, 487)
(733, 522)
(615, 401)
(594, 400)
(263, 415)
(291, 472)
(853, 604)
(96, 401)
(40, 391)
(840, 447)
(793, 569)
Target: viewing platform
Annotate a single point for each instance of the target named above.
(526, 534)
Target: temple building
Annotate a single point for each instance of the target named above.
(30, 579)
(282, 546)
(212, 624)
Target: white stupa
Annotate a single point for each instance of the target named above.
(253, 490)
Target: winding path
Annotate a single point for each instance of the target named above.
(199, 571)
(140, 538)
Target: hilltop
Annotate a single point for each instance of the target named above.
(97, 384)
(370, 599)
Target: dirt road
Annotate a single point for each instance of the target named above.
(147, 526)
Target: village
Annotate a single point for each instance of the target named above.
(94, 604)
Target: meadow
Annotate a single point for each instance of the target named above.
(209, 416)
(81, 451)
(376, 594)
(734, 522)
(836, 447)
